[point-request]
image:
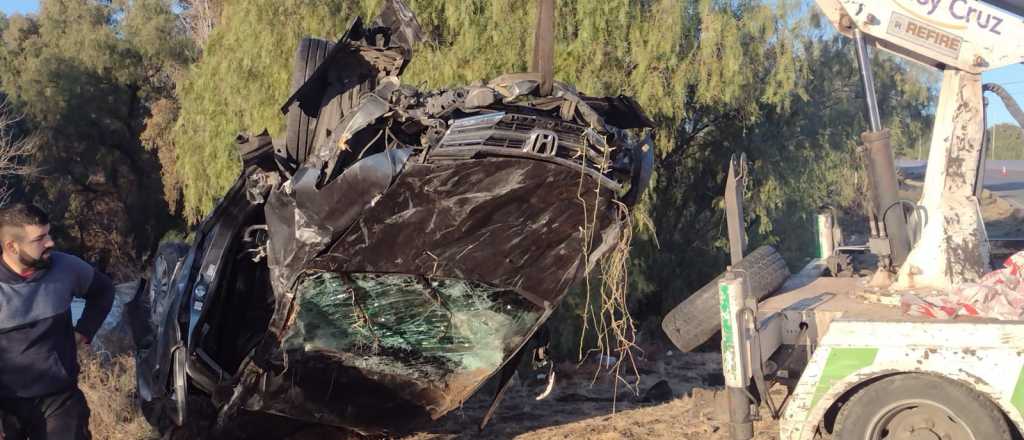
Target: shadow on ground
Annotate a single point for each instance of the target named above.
(577, 399)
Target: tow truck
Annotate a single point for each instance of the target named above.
(854, 365)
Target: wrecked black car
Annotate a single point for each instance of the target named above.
(398, 248)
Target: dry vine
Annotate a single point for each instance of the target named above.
(15, 151)
(612, 323)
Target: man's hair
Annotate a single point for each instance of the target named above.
(21, 214)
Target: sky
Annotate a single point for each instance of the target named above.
(18, 6)
(1010, 77)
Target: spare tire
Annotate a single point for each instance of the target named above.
(698, 318)
(301, 127)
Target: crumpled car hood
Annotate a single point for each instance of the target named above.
(428, 234)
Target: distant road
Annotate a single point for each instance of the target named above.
(1009, 186)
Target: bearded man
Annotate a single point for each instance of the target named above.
(39, 393)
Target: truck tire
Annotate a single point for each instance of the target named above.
(919, 406)
(301, 127)
(698, 317)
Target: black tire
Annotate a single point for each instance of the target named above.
(301, 127)
(698, 317)
(865, 414)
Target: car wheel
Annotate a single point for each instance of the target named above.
(916, 406)
(157, 405)
(698, 317)
(301, 127)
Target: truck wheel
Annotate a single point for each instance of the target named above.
(916, 406)
(698, 317)
(301, 127)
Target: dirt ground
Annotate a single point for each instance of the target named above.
(1003, 218)
(580, 408)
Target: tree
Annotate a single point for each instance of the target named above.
(16, 151)
(85, 73)
(795, 110)
(1005, 142)
(199, 18)
(239, 85)
(163, 40)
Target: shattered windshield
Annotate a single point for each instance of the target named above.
(410, 325)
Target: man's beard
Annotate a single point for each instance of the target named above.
(43, 262)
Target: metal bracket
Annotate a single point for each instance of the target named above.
(735, 183)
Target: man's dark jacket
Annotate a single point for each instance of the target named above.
(37, 340)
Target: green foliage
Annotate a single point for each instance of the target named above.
(83, 73)
(796, 112)
(470, 40)
(239, 86)
(154, 31)
(1005, 142)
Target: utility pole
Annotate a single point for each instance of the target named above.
(993, 142)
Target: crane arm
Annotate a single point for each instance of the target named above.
(969, 35)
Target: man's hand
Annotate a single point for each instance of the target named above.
(80, 340)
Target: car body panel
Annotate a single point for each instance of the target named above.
(439, 230)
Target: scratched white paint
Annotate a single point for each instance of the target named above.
(988, 37)
(986, 357)
(953, 248)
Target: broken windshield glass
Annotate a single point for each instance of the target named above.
(410, 325)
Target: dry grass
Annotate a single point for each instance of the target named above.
(608, 314)
(109, 387)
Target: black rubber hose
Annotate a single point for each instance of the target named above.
(1008, 101)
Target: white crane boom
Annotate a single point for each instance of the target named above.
(968, 35)
(963, 38)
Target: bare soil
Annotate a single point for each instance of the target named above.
(585, 405)
(1003, 218)
(583, 408)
